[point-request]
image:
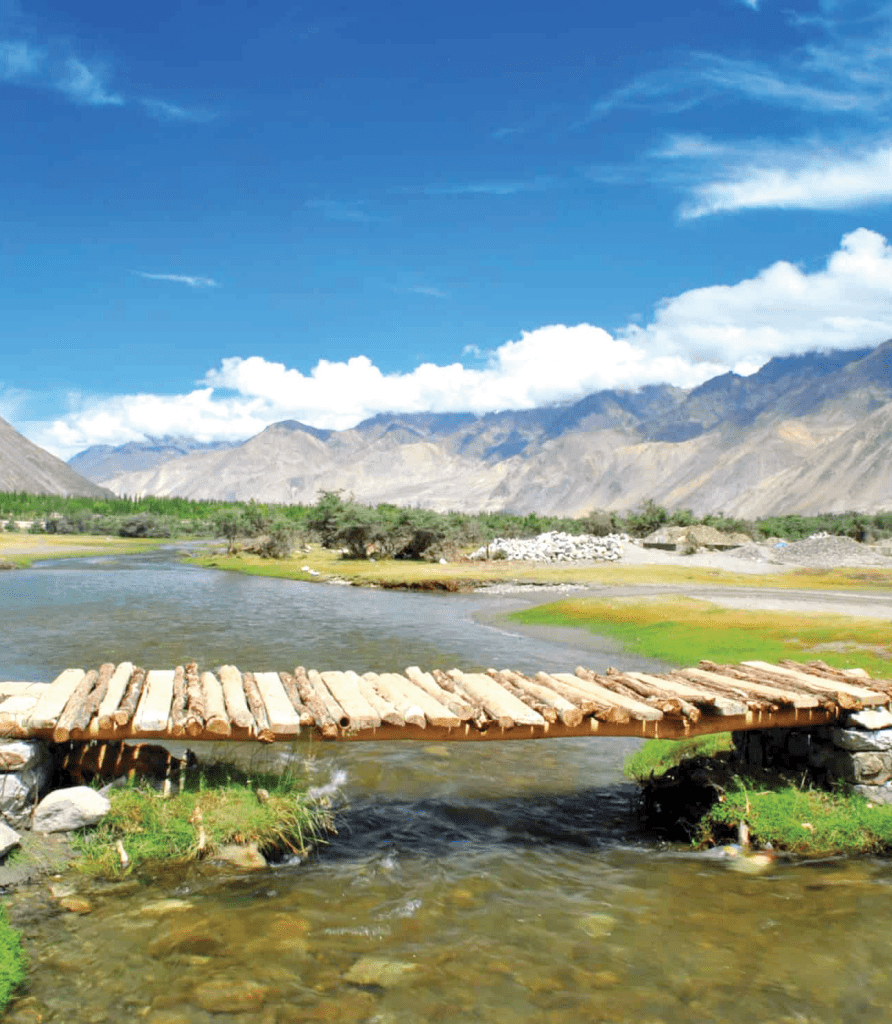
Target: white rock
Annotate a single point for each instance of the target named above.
(67, 809)
(871, 720)
(8, 839)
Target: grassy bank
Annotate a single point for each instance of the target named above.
(404, 574)
(784, 812)
(13, 964)
(683, 630)
(21, 549)
(215, 806)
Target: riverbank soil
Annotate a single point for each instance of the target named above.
(39, 854)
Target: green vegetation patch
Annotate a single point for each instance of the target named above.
(13, 962)
(683, 630)
(656, 757)
(216, 805)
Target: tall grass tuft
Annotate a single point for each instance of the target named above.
(13, 962)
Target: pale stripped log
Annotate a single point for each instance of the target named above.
(234, 695)
(52, 702)
(154, 707)
(305, 716)
(463, 710)
(386, 686)
(216, 720)
(655, 686)
(334, 709)
(283, 718)
(774, 695)
(327, 725)
(596, 685)
(345, 690)
(435, 713)
(262, 729)
(117, 687)
(386, 711)
(178, 704)
(568, 712)
(130, 700)
(80, 707)
(503, 706)
(195, 705)
(576, 690)
(847, 695)
(479, 717)
(545, 710)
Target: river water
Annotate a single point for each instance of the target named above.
(502, 882)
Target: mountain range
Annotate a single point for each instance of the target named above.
(804, 434)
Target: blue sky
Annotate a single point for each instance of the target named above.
(217, 215)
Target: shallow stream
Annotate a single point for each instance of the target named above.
(468, 882)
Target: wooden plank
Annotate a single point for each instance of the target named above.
(262, 730)
(507, 683)
(462, 709)
(859, 693)
(436, 713)
(305, 716)
(479, 717)
(195, 708)
(386, 711)
(52, 702)
(568, 713)
(596, 686)
(117, 686)
(345, 690)
(503, 706)
(178, 704)
(652, 686)
(329, 701)
(216, 720)
(387, 686)
(234, 695)
(153, 712)
(283, 718)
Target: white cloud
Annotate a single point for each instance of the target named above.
(193, 282)
(161, 110)
(815, 180)
(691, 337)
(83, 85)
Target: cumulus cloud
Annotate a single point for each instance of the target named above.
(691, 337)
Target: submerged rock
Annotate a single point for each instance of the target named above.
(378, 970)
(246, 857)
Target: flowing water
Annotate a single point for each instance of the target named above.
(503, 882)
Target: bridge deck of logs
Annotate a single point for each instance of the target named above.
(120, 702)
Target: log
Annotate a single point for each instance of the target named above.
(620, 683)
(305, 716)
(463, 710)
(283, 718)
(53, 700)
(655, 686)
(434, 712)
(545, 710)
(857, 693)
(117, 686)
(234, 695)
(131, 697)
(598, 686)
(79, 708)
(479, 717)
(178, 704)
(263, 730)
(345, 690)
(568, 713)
(504, 707)
(574, 690)
(334, 709)
(195, 706)
(387, 686)
(323, 720)
(821, 668)
(213, 702)
(386, 711)
(771, 696)
(153, 712)
(743, 677)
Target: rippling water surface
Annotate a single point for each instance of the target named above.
(468, 882)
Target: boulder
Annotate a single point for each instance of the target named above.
(246, 857)
(8, 839)
(20, 786)
(67, 809)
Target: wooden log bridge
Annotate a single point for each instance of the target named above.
(119, 702)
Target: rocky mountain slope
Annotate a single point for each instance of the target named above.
(103, 461)
(805, 434)
(25, 467)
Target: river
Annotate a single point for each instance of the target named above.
(467, 882)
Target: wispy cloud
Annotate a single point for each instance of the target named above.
(752, 4)
(161, 110)
(333, 209)
(85, 85)
(19, 60)
(488, 188)
(192, 282)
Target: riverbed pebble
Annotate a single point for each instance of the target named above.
(554, 546)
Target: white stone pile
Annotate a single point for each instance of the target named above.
(555, 547)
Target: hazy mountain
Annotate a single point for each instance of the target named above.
(102, 461)
(25, 467)
(805, 434)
